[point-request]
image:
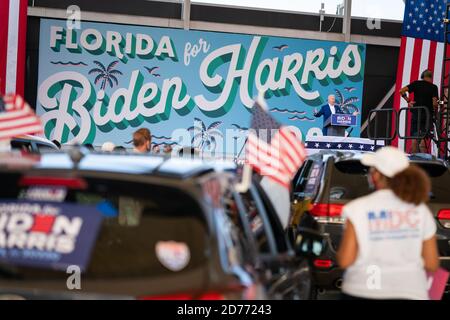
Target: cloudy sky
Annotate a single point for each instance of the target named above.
(386, 9)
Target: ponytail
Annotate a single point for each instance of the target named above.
(412, 185)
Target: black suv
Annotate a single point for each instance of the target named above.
(136, 226)
(328, 180)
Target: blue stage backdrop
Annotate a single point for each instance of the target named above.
(103, 81)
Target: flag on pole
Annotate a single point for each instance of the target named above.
(422, 47)
(13, 28)
(273, 150)
(17, 118)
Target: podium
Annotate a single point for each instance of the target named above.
(338, 123)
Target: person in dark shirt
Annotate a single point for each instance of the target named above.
(425, 95)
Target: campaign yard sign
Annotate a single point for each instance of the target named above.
(47, 234)
(190, 88)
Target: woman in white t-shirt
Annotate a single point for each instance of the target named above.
(389, 239)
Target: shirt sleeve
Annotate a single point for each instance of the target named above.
(347, 213)
(435, 92)
(320, 113)
(411, 87)
(429, 225)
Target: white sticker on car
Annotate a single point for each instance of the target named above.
(54, 194)
(173, 255)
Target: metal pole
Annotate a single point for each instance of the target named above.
(321, 15)
(346, 26)
(186, 14)
(239, 154)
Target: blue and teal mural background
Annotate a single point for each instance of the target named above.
(104, 71)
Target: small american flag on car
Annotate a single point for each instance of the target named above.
(273, 150)
(17, 118)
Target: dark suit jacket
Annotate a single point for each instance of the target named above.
(325, 111)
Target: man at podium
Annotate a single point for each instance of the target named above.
(326, 111)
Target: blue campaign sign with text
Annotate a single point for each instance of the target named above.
(47, 234)
(343, 120)
(190, 88)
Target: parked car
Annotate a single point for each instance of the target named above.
(99, 226)
(328, 180)
(284, 267)
(32, 144)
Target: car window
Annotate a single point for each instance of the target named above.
(232, 212)
(231, 240)
(351, 167)
(256, 223)
(309, 179)
(301, 177)
(44, 147)
(143, 234)
(21, 145)
(348, 180)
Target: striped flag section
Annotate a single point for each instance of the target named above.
(416, 55)
(213, 190)
(17, 118)
(13, 27)
(421, 48)
(272, 150)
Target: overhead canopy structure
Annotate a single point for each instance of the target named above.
(217, 16)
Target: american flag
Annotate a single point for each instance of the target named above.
(13, 28)
(17, 117)
(273, 150)
(422, 47)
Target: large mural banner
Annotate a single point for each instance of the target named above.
(190, 88)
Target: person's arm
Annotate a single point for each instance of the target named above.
(430, 254)
(319, 114)
(348, 249)
(403, 93)
(436, 97)
(435, 102)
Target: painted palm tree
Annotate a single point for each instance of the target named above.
(205, 137)
(347, 105)
(106, 74)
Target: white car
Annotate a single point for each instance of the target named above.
(30, 143)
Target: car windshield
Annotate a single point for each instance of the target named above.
(144, 232)
(349, 180)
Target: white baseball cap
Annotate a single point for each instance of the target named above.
(388, 160)
(108, 146)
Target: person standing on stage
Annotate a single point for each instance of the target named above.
(425, 95)
(326, 111)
